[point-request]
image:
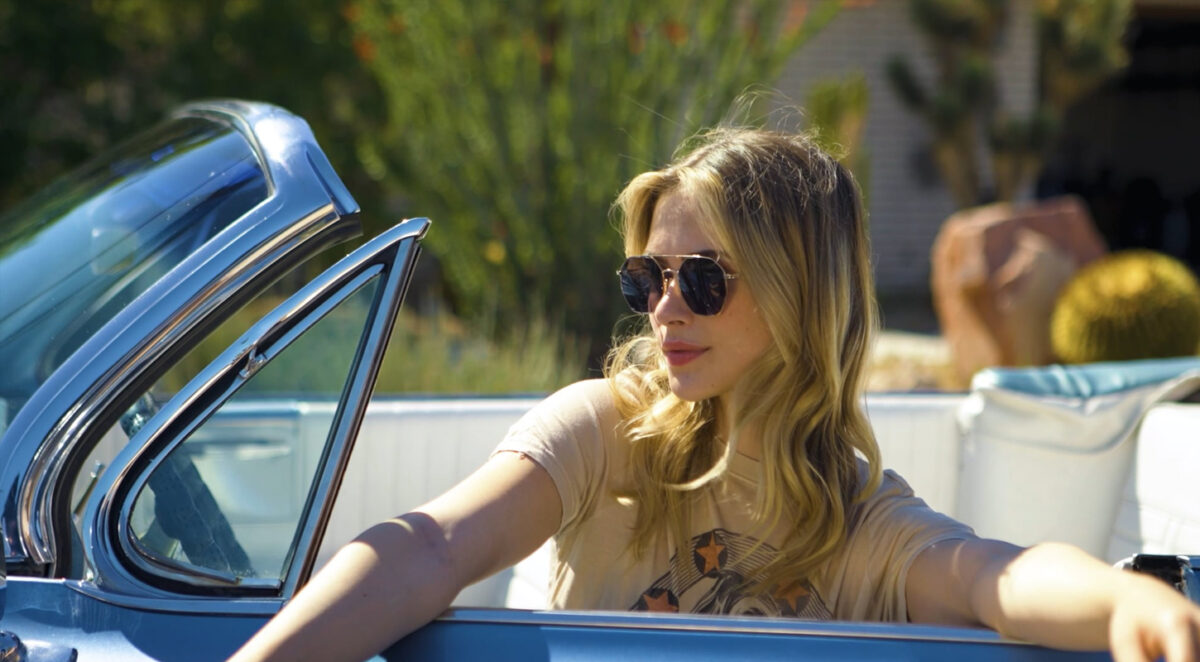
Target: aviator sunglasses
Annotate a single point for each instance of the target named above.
(701, 281)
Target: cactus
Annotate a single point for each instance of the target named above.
(1134, 304)
(1080, 44)
(963, 36)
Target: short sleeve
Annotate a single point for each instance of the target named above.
(887, 532)
(568, 434)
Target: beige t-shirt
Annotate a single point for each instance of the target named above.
(574, 435)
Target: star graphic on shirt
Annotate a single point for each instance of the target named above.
(664, 601)
(711, 553)
(792, 594)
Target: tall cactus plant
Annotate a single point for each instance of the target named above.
(1080, 45)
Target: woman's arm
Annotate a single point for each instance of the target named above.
(402, 573)
(1052, 594)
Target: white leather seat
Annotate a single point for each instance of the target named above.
(1159, 511)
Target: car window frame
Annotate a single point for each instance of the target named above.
(392, 254)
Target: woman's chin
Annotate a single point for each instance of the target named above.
(688, 392)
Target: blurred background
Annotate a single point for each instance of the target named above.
(514, 124)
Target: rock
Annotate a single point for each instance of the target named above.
(996, 272)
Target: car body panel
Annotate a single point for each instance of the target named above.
(55, 610)
(58, 612)
(515, 635)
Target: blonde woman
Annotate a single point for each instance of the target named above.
(724, 465)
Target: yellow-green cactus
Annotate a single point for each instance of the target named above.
(1134, 304)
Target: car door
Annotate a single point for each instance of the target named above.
(211, 516)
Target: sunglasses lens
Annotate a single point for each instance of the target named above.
(702, 282)
(639, 277)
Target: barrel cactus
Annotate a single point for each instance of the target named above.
(1133, 304)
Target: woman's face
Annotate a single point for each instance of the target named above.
(706, 354)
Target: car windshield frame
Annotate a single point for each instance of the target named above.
(75, 254)
(308, 210)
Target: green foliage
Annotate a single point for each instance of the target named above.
(1080, 45)
(514, 125)
(837, 115)
(1134, 304)
(77, 76)
(437, 353)
(904, 82)
(432, 353)
(959, 23)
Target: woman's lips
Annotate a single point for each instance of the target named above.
(679, 354)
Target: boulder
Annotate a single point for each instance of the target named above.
(996, 272)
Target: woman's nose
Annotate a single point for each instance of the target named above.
(670, 305)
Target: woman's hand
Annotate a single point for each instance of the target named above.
(1055, 595)
(1151, 620)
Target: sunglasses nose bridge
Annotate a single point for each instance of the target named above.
(670, 276)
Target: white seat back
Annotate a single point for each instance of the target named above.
(1047, 451)
(1159, 511)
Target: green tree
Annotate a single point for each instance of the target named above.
(514, 124)
(78, 76)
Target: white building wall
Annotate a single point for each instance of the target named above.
(907, 200)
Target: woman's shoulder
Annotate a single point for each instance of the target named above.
(592, 393)
(894, 504)
(588, 403)
(891, 488)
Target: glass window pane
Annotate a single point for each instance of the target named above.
(231, 498)
(75, 255)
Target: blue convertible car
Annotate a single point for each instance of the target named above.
(162, 503)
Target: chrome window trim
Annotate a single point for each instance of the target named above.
(241, 362)
(353, 407)
(272, 132)
(603, 620)
(171, 602)
(116, 488)
(307, 209)
(153, 562)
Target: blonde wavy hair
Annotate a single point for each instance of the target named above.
(791, 218)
